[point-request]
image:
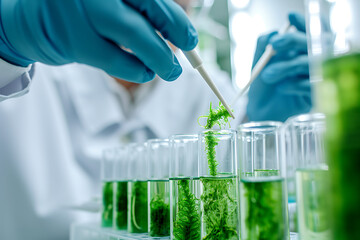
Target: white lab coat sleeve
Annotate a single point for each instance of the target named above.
(14, 80)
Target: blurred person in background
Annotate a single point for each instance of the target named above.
(52, 138)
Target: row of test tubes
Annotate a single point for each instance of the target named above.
(220, 184)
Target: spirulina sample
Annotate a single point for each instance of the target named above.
(219, 205)
(219, 194)
(120, 205)
(107, 208)
(159, 216)
(186, 213)
(261, 202)
(137, 207)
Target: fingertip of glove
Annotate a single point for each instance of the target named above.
(192, 40)
(292, 17)
(297, 20)
(148, 76)
(174, 74)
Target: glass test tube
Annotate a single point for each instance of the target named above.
(158, 155)
(107, 178)
(263, 198)
(137, 189)
(338, 96)
(312, 177)
(121, 170)
(184, 188)
(218, 185)
(290, 166)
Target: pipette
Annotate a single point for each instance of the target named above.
(196, 63)
(262, 62)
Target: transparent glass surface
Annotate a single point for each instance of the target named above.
(107, 164)
(158, 157)
(184, 156)
(263, 197)
(184, 188)
(333, 31)
(312, 179)
(138, 164)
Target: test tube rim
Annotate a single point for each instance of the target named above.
(183, 136)
(219, 132)
(157, 140)
(306, 118)
(261, 126)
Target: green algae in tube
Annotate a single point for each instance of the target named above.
(339, 99)
(158, 156)
(137, 189)
(107, 178)
(263, 197)
(121, 178)
(185, 212)
(218, 185)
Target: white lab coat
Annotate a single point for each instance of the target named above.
(51, 138)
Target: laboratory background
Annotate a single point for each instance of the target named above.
(179, 119)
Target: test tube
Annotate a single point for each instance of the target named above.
(336, 25)
(218, 185)
(121, 179)
(263, 198)
(137, 189)
(312, 176)
(107, 178)
(184, 188)
(158, 156)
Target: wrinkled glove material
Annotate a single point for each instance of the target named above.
(283, 88)
(97, 33)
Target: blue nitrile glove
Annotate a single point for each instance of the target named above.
(57, 32)
(282, 89)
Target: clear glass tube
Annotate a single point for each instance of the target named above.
(218, 185)
(185, 213)
(107, 178)
(137, 189)
(263, 197)
(312, 176)
(338, 97)
(158, 156)
(121, 179)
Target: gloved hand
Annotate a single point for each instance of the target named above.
(282, 89)
(58, 32)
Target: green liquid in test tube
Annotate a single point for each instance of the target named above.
(340, 100)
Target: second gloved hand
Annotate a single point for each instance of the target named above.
(283, 88)
(58, 32)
